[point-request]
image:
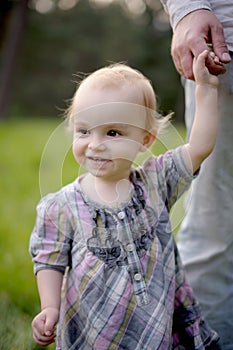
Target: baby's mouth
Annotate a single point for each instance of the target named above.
(99, 160)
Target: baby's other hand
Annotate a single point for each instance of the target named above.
(43, 326)
(202, 75)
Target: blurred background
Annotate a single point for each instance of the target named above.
(45, 46)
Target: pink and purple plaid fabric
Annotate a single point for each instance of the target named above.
(124, 286)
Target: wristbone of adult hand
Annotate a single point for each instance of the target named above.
(202, 75)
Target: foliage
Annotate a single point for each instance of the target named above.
(59, 44)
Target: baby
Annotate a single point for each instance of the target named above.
(108, 270)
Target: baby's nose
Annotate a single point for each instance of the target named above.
(96, 142)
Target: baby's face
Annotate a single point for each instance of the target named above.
(109, 131)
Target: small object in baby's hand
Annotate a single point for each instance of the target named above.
(212, 54)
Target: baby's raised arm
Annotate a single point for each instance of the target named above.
(204, 130)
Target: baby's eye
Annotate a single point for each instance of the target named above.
(113, 133)
(83, 131)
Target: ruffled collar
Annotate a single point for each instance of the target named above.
(133, 223)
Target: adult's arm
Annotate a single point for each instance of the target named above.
(178, 9)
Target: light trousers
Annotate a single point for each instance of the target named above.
(205, 240)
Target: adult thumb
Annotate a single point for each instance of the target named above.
(219, 45)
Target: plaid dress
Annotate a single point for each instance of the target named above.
(124, 286)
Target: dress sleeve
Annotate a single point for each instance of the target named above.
(169, 175)
(50, 242)
(177, 9)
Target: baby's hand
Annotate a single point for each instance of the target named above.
(43, 326)
(201, 73)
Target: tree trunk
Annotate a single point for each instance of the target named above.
(10, 53)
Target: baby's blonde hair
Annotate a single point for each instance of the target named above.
(116, 76)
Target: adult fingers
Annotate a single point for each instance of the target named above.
(186, 63)
(183, 59)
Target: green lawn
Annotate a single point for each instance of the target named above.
(35, 158)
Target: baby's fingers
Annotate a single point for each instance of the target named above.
(41, 339)
(42, 334)
(199, 62)
(199, 66)
(201, 73)
(38, 324)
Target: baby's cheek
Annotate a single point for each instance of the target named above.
(76, 151)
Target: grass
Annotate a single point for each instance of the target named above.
(15, 331)
(35, 159)
(21, 145)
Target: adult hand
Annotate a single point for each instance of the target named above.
(43, 326)
(190, 38)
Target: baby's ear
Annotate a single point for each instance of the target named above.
(148, 140)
